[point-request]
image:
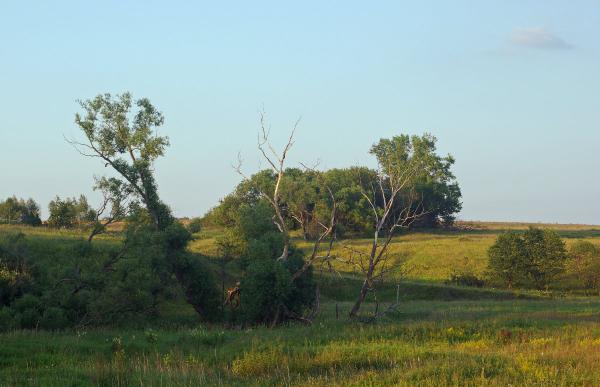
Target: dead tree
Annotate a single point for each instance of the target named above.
(276, 161)
(395, 206)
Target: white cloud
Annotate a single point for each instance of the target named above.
(538, 37)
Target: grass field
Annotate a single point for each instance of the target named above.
(441, 335)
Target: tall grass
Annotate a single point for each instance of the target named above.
(440, 335)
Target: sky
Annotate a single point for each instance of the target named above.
(511, 88)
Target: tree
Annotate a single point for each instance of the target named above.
(534, 258)
(31, 213)
(13, 210)
(546, 256)
(434, 183)
(271, 251)
(394, 204)
(124, 137)
(114, 206)
(584, 264)
(507, 263)
(195, 225)
(70, 212)
(300, 195)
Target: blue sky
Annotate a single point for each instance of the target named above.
(510, 88)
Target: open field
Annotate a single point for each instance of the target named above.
(551, 342)
(441, 335)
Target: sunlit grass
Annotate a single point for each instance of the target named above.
(440, 335)
(552, 342)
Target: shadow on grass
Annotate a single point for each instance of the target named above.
(346, 287)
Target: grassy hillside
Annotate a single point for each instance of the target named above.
(441, 335)
(435, 255)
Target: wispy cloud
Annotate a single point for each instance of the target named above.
(538, 38)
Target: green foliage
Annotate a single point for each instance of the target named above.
(199, 286)
(584, 264)
(507, 262)
(465, 279)
(13, 210)
(264, 290)
(546, 256)
(70, 212)
(268, 294)
(534, 258)
(195, 225)
(431, 177)
(125, 138)
(304, 197)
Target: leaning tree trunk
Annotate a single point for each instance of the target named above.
(361, 298)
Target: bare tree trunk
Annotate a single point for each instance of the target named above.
(361, 298)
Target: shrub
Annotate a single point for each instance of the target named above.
(584, 264)
(7, 320)
(195, 225)
(506, 260)
(269, 296)
(534, 258)
(29, 311)
(465, 279)
(53, 318)
(199, 286)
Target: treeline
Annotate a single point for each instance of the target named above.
(306, 194)
(20, 211)
(63, 213)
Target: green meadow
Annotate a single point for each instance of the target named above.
(440, 334)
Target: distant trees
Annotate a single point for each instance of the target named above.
(303, 199)
(532, 259)
(584, 264)
(70, 212)
(13, 210)
(195, 225)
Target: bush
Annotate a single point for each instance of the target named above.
(465, 279)
(7, 320)
(54, 318)
(506, 260)
(199, 286)
(29, 311)
(267, 294)
(533, 259)
(195, 225)
(584, 264)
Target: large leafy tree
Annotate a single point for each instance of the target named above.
(128, 142)
(434, 182)
(122, 133)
